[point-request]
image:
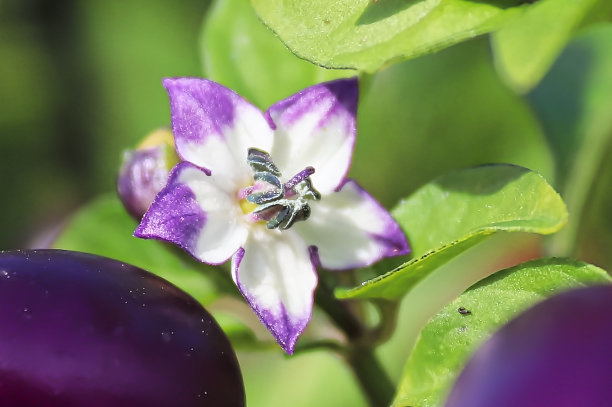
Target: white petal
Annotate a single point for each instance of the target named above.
(275, 275)
(196, 214)
(214, 127)
(316, 127)
(350, 229)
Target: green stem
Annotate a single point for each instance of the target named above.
(374, 381)
(359, 353)
(339, 312)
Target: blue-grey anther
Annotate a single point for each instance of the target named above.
(281, 205)
(260, 161)
(270, 194)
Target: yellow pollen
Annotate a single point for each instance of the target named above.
(246, 206)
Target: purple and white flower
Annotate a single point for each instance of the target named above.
(269, 190)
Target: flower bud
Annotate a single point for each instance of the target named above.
(145, 170)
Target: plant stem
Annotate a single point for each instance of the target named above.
(374, 381)
(338, 312)
(359, 353)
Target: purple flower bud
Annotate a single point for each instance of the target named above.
(79, 330)
(144, 171)
(558, 353)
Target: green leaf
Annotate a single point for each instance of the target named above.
(367, 34)
(574, 105)
(239, 52)
(527, 46)
(450, 337)
(456, 211)
(104, 228)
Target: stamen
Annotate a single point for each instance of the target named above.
(260, 161)
(279, 205)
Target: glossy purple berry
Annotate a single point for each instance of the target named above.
(558, 353)
(79, 330)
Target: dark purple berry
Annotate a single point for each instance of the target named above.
(78, 330)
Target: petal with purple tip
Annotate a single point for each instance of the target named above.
(274, 273)
(214, 127)
(351, 229)
(196, 214)
(316, 127)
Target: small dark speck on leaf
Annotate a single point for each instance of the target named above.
(464, 311)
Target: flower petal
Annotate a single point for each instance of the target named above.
(213, 126)
(316, 127)
(351, 229)
(274, 273)
(194, 213)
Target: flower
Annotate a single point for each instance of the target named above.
(269, 190)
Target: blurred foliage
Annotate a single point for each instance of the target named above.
(527, 46)
(574, 106)
(81, 82)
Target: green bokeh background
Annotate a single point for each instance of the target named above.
(80, 81)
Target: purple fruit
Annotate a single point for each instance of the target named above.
(558, 353)
(78, 330)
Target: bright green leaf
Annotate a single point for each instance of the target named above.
(574, 105)
(526, 47)
(450, 337)
(104, 228)
(239, 52)
(367, 34)
(456, 211)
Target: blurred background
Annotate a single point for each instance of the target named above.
(80, 82)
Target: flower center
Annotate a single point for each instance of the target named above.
(268, 199)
